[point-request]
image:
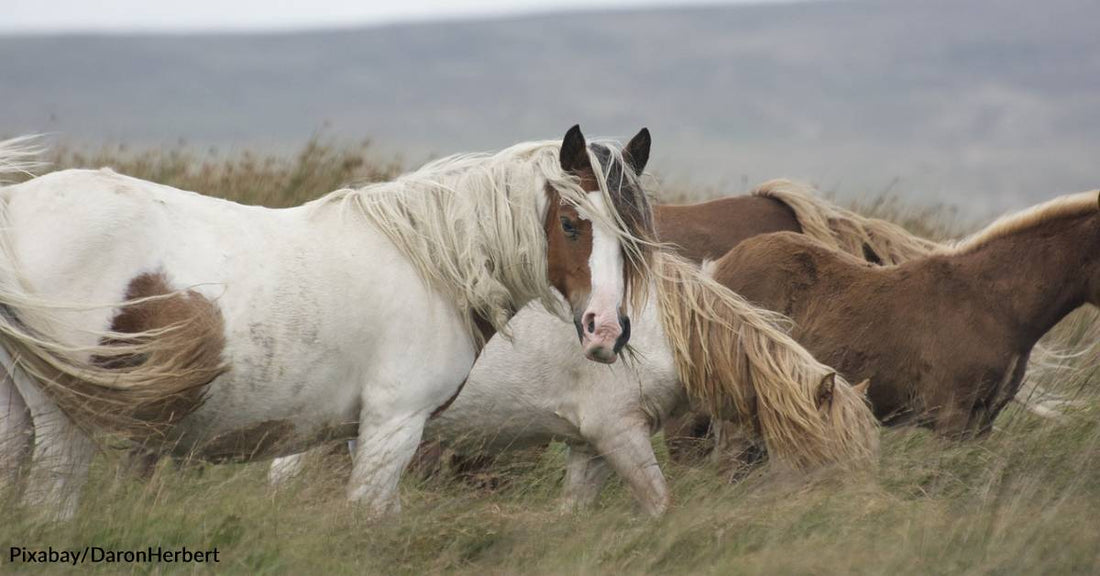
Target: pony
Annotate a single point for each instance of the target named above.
(697, 343)
(695, 232)
(707, 230)
(204, 328)
(945, 339)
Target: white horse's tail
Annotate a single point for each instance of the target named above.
(143, 375)
(1046, 361)
(1053, 407)
(19, 156)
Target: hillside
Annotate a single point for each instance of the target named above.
(984, 104)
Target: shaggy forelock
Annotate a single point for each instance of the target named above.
(633, 212)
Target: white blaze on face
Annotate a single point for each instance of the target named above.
(600, 322)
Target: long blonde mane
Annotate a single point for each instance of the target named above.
(472, 227)
(1069, 206)
(738, 362)
(844, 230)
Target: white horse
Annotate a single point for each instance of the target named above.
(201, 327)
(696, 343)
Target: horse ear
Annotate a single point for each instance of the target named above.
(636, 153)
(574, 151)
(825, 389)
(862, 387)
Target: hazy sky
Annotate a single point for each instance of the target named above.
(169, 15)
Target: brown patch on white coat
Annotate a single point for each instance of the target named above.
(164, 347)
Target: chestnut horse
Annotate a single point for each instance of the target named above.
(707, 230)
(201, 327)
(944, 339)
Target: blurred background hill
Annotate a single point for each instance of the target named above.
(987, 105)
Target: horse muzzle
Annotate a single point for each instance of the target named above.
(602, 338)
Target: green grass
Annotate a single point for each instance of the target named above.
(1025, 500)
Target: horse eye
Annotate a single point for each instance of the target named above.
(568, 227)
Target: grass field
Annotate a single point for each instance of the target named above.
(1025, 500)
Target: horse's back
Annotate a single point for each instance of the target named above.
(710, 229)
(86, 236)
(771, 269)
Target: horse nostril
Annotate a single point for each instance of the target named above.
(624, 335)
(590, 322)
(591, 326)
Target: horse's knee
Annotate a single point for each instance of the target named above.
(383, 451)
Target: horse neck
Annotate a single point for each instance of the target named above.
(1037, 275)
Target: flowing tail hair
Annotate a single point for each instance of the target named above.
(737, 360)
(868, 238)
(137, 381)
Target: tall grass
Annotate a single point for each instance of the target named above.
(1025, 500)
(269, 180)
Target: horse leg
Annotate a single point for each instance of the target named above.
(399, 392)
(59, 466)
(736, 451)
(585, 475)
(285, 469)
(630, 453)
(16, 432)
(688, 438)
(384, 449)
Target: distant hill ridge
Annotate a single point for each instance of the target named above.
(989, 104)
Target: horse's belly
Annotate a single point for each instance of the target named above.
(248, 415)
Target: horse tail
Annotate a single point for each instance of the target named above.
(19, 156)
(872, 239)
(738, 360)
(141, 375)
(1045, 362)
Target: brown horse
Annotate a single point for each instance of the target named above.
(708, 230)
(944, 339)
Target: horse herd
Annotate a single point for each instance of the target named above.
(444, 307)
